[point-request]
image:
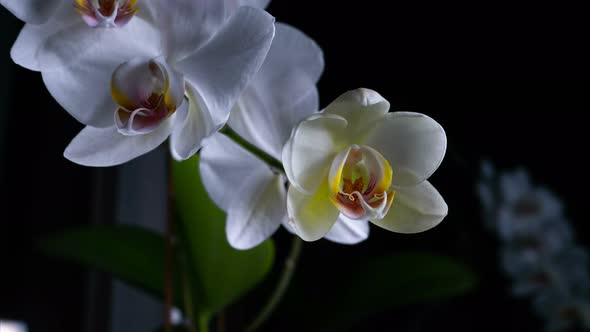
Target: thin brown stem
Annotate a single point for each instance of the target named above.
(169, 255)
(221, 321)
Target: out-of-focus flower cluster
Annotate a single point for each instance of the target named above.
(539, 253)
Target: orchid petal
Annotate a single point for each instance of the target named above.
(223, 165)
(308, 154)
(187, 24)
(222, 68)
(362, 108)
(244, 186)
(107, 147)
(348, 231)
(190, 131)
(257, 210)
(282, 93)
(32, 37)
(255, 3)
(413, 143)
(80, 44)
(312, 216)
(32, 11)
(414, 209)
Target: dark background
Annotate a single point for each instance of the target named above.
(498, 77)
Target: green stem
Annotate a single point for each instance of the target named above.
(188, 302)
(203, 323)
(282, 285)
(270, 160)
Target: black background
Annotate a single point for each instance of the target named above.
(498, 77)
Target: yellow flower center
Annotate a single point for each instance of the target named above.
(360, 180)
(142, 90)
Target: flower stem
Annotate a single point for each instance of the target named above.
(270, 160)
(203, 323)
(169, 253)
(188, 303)
(282, 285)
(221, 321)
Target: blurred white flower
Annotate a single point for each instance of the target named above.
(176, 316)
(513, 207)
(145, 83)
(525, 209)
(12, 326)
(533, 271)
(563, 311)
(537, 248)
(539, 253)
(357, 162)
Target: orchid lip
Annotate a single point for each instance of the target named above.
(106, 13)
(360, 183)
(145, 93)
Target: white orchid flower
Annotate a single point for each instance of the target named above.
(524, 209)
(144, 84)
(49, 21)
(252, 192)
(355, 160)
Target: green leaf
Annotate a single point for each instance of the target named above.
(132, 254)
(220, 273)
(383, 283)
(407, 278)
